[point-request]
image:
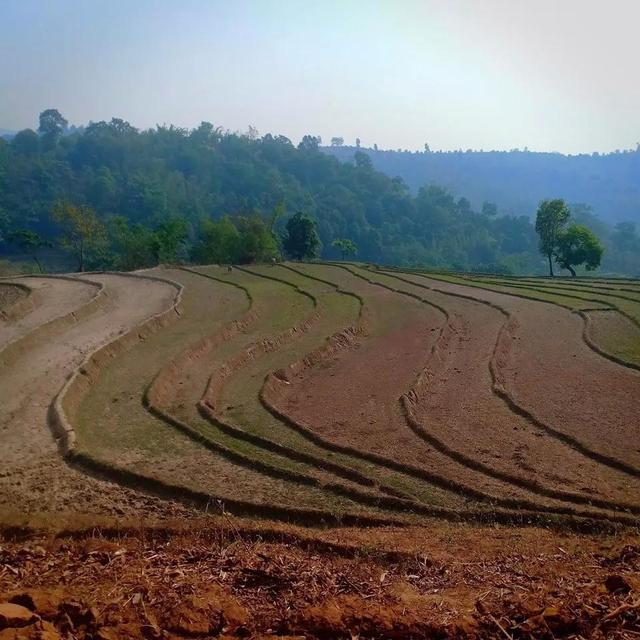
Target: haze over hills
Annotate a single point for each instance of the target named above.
(517, 180)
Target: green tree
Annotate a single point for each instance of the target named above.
(219, 242)
(30, 243)
(578, 245)
(169, 238)
(551, 218)
(346, 247)
(131, 246)
(83, 234)
(52, 126)
(362, 160)
(257, 243)
(301, 240)
(26, 142)
(310, 143)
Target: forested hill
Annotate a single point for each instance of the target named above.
(517, 180)
(146, 185)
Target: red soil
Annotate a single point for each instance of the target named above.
(236, 579)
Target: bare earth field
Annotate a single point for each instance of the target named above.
(319, 451)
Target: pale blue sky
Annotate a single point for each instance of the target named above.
(551, 75)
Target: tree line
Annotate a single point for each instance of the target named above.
(210, 195)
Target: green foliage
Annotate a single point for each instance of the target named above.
(301, 241)
(151, 178)
(239, 240)
(346, 247)
(52, 126)
(578, 245)
(12, 268)
(83, 234)
(29, 243)
(551, 218)
(219, 243)
(26, 142)
(169, 239)
(130, 246)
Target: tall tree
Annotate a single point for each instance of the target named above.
(52, 126)
(551, 218)
(301, 241)
(578, 245)
(83, 234)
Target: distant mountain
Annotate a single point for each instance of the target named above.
(7, 134)
(517, 180)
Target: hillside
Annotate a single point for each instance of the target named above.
(516, 181)
(168, 180)
(341, 451)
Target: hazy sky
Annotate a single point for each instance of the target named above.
(494, 74)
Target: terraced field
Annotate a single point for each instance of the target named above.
(332, 394)
(326, 393)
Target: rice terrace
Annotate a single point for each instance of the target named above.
(305, 418)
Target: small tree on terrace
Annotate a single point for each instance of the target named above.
(578, 245)
(346, 247)
(83, 234)
(301, 240)
(550, 220)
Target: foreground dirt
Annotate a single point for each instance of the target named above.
(237, 579)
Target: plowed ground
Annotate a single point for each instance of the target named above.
(463, 453)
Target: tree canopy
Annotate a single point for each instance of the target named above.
(157, 193)
(301, 240)
(578, 245)
(346, 247)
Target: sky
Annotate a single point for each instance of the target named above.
(550, 75)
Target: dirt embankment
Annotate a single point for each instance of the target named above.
(15, 301)
(236, 579)
(34, 477)
(52, 301)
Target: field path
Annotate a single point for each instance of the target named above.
(34, 477)
(56, 297)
